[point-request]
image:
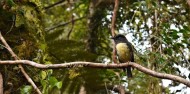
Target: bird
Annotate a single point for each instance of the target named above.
(124, 51)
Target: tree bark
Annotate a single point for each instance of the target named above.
(100, 65)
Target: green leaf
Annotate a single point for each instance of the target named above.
(52, 81)
(26, 90)
(43, 75)
(59, 84)
(50, 72)
(43, 47)
(169, 51)
(10, 2)
(43, 82)
(174, 34)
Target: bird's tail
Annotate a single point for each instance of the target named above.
(129, 73)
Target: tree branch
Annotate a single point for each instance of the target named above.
(114, 17)
(188, 2)
(113, 29)
(55, 4)
(62, 24)
(100, 65)
(20, 66)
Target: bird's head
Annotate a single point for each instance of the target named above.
(119, 38)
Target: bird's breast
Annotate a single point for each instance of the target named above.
(123, 52)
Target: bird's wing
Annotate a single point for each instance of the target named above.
(130, 46)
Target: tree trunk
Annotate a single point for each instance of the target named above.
(92, 35)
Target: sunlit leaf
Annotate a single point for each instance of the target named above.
(43, 75)
(26, 90)
(59, 85)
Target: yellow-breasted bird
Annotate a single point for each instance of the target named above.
(124, 51)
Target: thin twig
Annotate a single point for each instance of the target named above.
(55, 4)
(73, 22)
(3, 46)
(106, 87)
(13, 23)
(135, 12)
(62, 24)
(20, 66)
